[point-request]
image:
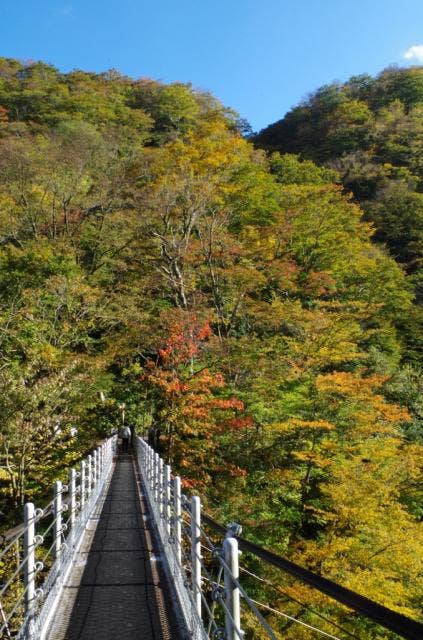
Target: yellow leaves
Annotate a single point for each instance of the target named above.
(369, 412)
(4, 475)
(261, 241)
(372, 545)
(320, 338)
(313, 424)
(210, 149)
(349, 383)
(313, 458)
(364, 487)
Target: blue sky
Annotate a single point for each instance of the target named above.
(258, 56)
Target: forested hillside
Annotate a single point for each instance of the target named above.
(370, 130)
(236, 302)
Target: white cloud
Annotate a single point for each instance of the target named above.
(415, 53)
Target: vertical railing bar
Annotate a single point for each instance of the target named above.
(29, 554)
(89, 474)
(147, 465)
(57, 510)
(72, 497)
(82, 473)
(161, 490)
(95, 468)
(167, 503)
(231, 573)
(177, 526)
(98, 463)
(156, 478)
(196, 551)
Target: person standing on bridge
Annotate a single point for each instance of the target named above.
(126, 436)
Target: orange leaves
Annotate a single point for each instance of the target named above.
(244, 422)
(183, 341)
(237, 472)
(187, 483)
(319, 283)
(229, 403)
(204, 332)
(185, 391)
(349, 383)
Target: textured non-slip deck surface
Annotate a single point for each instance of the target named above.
(116, 590)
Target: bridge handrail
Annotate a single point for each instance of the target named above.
(189, 569)
(166, 514)
(174, 515)
(400, 624)
(37, 597)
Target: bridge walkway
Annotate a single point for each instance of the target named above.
(117, 588)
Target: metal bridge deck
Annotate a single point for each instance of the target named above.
(117, 588)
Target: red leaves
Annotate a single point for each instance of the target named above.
(243, 422)
(185, 391)
(184, 341)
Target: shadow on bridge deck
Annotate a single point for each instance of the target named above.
(116, 590)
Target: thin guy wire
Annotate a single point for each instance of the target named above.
(285, 615)
(11, 614)
(209, 578)
(6, 549)
(302, 604)
(13, 576)
(218, 582)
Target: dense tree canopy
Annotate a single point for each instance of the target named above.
(370, 131)
(236, 302)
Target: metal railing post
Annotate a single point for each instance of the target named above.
(57, 511)
(89, 474)
(151, 469)
(82, 483)
(196, 551)
(231, 572)
(72, 497)
(29, 554)
(166, 498)
(156, 478)
(99, 463)
(148, 465)
(177, 525)
(161, 487)
(95, 467)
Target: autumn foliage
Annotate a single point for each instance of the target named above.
(238, 303)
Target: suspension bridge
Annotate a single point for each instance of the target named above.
(121, 553)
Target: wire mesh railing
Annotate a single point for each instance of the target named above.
(37, 560)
